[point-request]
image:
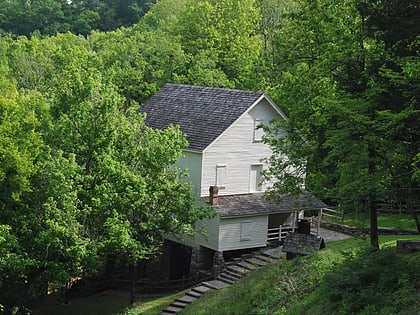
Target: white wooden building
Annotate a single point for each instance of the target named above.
(226, 150)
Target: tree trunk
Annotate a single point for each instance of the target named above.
(132, 272)
(416, 219)
(372, 204)
(66, 293)
(374, 235)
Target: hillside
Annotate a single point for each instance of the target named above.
(345, 278)
(83, 178)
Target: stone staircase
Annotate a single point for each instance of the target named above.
(234, 271)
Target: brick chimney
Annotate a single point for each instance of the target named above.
(214, 194)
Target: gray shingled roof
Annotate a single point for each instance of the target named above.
(256, 204)
(203, 113)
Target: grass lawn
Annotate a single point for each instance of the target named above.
(351, 243)
(110, 303)
(396, 221)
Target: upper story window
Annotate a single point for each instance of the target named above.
(258, 131)
(221, 175)
(256, 180)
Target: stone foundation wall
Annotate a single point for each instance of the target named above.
(218, 264)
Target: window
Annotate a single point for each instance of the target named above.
(255, 178)
(221, 175)
(246, 228)
(258, 131)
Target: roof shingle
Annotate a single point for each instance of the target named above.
(256, 204)
(203, 113)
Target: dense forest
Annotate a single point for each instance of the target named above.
(49, 17)
(83, 178)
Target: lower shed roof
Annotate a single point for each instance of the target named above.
(257, 204)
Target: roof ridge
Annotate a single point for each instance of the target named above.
(215, 88)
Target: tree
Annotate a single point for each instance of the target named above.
(84, 174)
(19, 149)
(346, 99)
(395, 90)
(26, 17)
(49, 17)
(41, 240)
(211, 38)
(130, 194)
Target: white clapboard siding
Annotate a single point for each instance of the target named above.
(209, 236)
(237, 149)
(242, 233)
(192, 162)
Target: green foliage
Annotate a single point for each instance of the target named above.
(372, 283)
(345, 278)
(41, 240)
(271, 290)
(287, 163)
(223, 51)
(352, 92)
(81, 174)
(49, 17)
(83, 177)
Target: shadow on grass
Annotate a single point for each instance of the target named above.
(107, 303)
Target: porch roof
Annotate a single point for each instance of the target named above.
(256, 204)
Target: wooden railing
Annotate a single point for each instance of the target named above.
(335, 214)
(397, 208)
(143, 286)
(279, 234)
(146, 286)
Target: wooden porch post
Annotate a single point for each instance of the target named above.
(318, 227)
(280, 233)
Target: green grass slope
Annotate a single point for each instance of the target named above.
(345, 278)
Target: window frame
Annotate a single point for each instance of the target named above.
(246, 230)
(256, 184)
(258, 132)
(221, 175)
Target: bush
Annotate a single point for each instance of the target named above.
(372, 282)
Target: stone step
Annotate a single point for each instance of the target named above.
(186, 299)
(233, 274)
(194, 294)
(267, 259)
(173, 309)
(234, 271)
(201, 289)
(246, 265)
(237, 269)
(246, 256)
(256, 262)
(215, 284)
(224, 278)
(179, 304)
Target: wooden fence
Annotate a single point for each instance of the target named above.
(143, 286)
(336, 215)
(397, 208)
(279, 234)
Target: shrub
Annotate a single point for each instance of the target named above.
(372, 282)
